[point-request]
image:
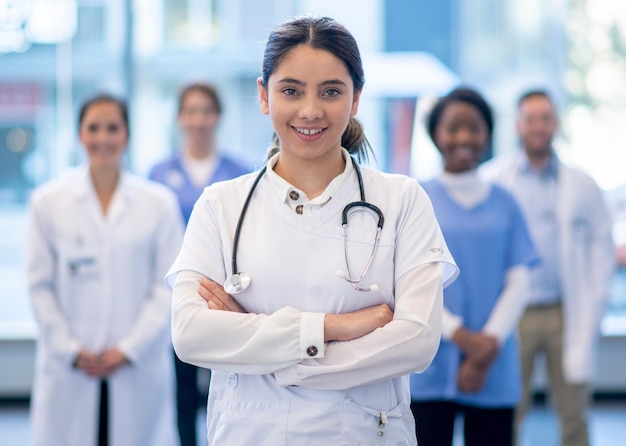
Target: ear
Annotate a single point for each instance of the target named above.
(265, 106)
(355, 103)
(81, 137)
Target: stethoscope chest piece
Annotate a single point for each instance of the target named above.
(236, 283)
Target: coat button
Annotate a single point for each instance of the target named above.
(294, 195)
(299, 209)
(311, 351)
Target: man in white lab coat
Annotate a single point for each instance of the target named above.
(571, 228)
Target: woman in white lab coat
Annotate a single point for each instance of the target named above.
(317, 349)
(100, 241)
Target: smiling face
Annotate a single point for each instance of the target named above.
(461, 136)
(536, 125)
(104, 135)
(310, 98)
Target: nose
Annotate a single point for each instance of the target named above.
(311, 108)
(463, 136)
(102, 136)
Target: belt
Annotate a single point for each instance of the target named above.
(543, 305)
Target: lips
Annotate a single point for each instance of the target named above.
(464, 151)
(309, 134)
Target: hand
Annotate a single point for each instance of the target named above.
(471, 377)
(217, 298)
(100, 365)
(111, 360)
(348, 326)
(478, 347)
(88, 362)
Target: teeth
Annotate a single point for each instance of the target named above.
(308, 131)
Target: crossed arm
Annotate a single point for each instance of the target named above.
(337, 327)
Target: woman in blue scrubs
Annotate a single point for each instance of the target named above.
(187, 173)
(476, 370)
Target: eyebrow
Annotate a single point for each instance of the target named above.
(290, 80)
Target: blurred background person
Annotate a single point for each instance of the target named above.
(476, 370)
(100, 241)
(571, 227)
(616, 200)
(187, 173)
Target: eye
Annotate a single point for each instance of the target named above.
(475, 129)
(331, 92)
(451, 128)
(113, 128)
(92, 128)
(290, 91)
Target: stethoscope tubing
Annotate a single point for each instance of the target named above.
(238, 276)
(242, 215)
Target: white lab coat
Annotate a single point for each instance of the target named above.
(96, 282)
(586, 259)
(274, 379)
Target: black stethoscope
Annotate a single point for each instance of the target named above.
(239, 281)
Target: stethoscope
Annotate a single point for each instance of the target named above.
(238, 281)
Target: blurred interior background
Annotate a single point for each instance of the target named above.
(54, 53)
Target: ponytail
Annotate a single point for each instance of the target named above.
(355, 142)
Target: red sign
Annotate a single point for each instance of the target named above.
(19, 100)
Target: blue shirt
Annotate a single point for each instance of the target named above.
(536, 193)
(172, 173)
(485, 240)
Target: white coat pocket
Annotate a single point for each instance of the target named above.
(250, 423)
(365, 426)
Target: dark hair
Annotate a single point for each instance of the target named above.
(100, 98)
(321, 33)
(460, 94)
(207, 89)
(535, 92)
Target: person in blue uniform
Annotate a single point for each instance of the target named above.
(187, 173)
(476, 370)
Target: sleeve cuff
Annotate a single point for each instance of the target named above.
(312, 335)
(286, 377)
(128, 352)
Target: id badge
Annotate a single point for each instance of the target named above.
(82, 264)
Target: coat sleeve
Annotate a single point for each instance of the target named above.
(602, 261)
(206, 337)
(41, 265)
(154, 315)
(600, 267)
(407, 344)
(410, 341)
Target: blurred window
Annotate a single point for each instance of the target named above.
(90, 26)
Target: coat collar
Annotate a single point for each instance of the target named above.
(122, 200)
(550, 168)
(83, 185)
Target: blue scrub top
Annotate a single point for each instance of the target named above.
(172, 173)
(485, 240)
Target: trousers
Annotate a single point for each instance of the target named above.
(541, 332)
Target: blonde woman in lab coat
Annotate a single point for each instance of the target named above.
(100, 242)
(314, 351)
